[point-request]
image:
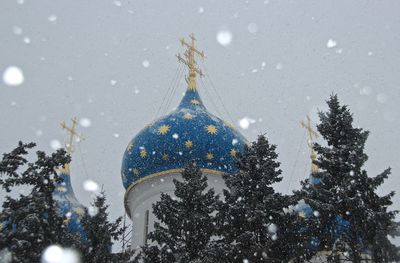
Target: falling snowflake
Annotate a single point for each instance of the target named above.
(245, 122)
(57, 254)
(331, 43)
(235, 141)
(52, 254)
(85, 122)
(90, 185)
(13, 76)
(17, 30)
(92, 210)
(252, 28)
(263, 64)
(55, 144)
(366, 90)
(52, 18)
(381, 98)
(27, 40)
(224, 37)
(272, 228)
(39, 133)
(146, 63)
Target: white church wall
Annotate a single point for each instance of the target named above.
(141, 197)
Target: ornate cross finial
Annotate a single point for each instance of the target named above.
(72, 134)
(312, 135)
(190, 61)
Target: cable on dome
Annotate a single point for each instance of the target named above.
(171, 91)
(168, 90)
(209, 96)
(295, 162)
(220, 99)
(216, 91)
(83, 161)
(174, 88)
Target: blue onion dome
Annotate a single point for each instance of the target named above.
(305, 211)
(67, 203)
(189, 133)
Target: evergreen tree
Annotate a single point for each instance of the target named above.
(186, 223)
(352, 216)
(252, 221)
(31, 222)
(100, 233)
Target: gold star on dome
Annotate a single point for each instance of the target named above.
(209, 156)
(188, 144)
(211, 129)
(148, 125)
(233, 153)
(143, 153)
(195, 102)
(163, 129)
(129, 147)
(165, 157)
(188, 116)
(135, 171)
(66, 221)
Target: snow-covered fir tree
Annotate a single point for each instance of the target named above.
(30, 223)
(100, 233)
(353, 221)
(186, 221)
(33, 222)
(252, 222)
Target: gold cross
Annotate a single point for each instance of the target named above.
(312, 135)
(190, 61)
(72, 134)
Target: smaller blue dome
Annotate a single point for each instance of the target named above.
(305, 211)
(190, 133)
(67, 203)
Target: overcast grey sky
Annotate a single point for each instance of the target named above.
(113, 61)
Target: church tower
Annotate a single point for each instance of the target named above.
(68, 204)
(158, 153)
